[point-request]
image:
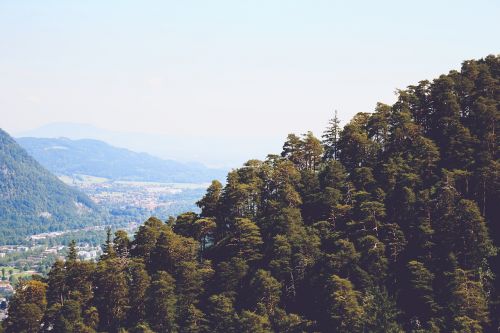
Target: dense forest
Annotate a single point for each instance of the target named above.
(389, 224)
(32, 200)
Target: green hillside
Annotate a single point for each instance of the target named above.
(32, 200)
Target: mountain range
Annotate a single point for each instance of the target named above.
(64, 156)
(214, 150)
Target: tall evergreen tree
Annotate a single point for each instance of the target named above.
(331, 137)
(162, 303)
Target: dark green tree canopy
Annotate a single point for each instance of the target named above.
(390, 224)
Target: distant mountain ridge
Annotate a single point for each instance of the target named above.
(65, 156)
(179, 147)
(32, 200)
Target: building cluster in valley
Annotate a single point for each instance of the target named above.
(129, 194)
(37, 253)
(20, 261)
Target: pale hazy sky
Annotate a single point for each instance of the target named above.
(225, 69)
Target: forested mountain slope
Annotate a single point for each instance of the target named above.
(387, 225)
(32, 200)
(63, 156)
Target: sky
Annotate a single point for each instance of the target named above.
(231, 77)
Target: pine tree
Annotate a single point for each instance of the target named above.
(108, 248)
(473, 244)
(221, 314)
(57, 288)
(230, 274)
(344, 306)
(266, 291)
(380, 311)
(293, 150)
(250, 322)
(469, 302)
(193, 321)
(312, 151)
(138, 283)
(121, 244)
(112, 298)
(145, 238)
(245, 240)
(208, 204)
(27, 308)
(72, 252)
(162, 302)
(419, 299)
(331, 137)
